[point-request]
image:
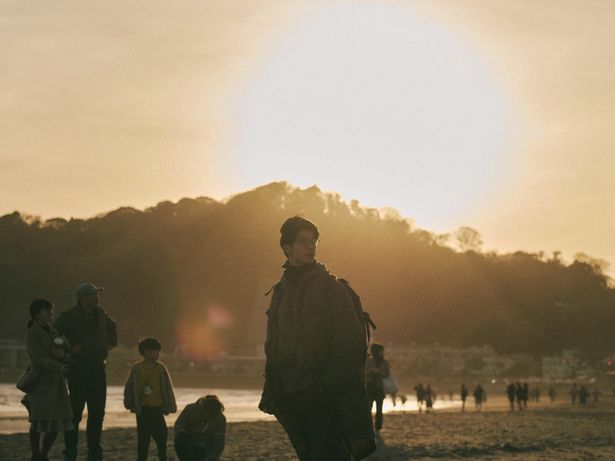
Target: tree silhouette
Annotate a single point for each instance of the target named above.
(194, 274)
(468, 239)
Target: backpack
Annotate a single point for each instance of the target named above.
(363, 316)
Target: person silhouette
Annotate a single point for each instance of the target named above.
(552, 394)
(315, 355)
(519, 395)
(376, 369)
(430, 397)
(510, 393)
(463, 394)
(420, 396)
(583, 394)
(479, 396)
(574, 393)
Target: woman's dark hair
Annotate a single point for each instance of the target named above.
(37, 306)
(292, 227)
(212, 404)
(149, 344)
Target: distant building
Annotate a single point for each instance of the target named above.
(438, 361)
(568, 365)
(497, 365)
(13, 354)
(447, 362)
(556, 368)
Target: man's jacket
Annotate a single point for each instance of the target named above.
(315, 338)
(92, 333)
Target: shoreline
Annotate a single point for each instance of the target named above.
(561, 432)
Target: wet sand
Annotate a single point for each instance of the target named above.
(544, 432)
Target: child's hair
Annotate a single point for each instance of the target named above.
(212, 404)
(36, 307)
(149, 344)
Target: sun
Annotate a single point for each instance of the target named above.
(380, 104)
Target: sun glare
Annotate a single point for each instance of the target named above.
(379, 104)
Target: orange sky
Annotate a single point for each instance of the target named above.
(111, 104)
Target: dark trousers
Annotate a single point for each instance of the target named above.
(313, 426)
(87, 385)
(378, 422)
(193, 447)
(151, 423)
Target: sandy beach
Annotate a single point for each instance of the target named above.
(544, 432)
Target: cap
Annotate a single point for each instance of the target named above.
(87, 289)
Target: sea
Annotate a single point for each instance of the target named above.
(240, 405)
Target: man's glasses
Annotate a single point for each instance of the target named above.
(306, 242)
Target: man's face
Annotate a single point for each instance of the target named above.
(90, 300)
(303, 250)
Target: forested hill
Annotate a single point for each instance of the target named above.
(194, 272)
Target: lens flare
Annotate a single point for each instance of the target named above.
(200, 336)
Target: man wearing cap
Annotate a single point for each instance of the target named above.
(91, 333)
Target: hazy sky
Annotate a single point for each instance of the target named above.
(494, 114)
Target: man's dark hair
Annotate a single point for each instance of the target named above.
(211, 404)
(149, 344)
(37, 306)
(292, 227)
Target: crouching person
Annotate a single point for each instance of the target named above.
(149, 394)
(200, 430)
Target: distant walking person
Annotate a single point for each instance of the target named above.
(583, 394)
(316, 350)
(91, 334)
(510, 393)
(420, 396)
(519, 396)
(430, 397)
(48, 404)
(574, 393)
(479, 397)
(376, 369)
(526, 395)
(552, 394)
(200, 430)
(148, 393)
(463, 394)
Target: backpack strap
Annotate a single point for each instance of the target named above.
(273, 288)
(364, 318)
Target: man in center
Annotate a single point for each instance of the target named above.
(316, 349)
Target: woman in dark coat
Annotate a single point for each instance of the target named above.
(48, 404)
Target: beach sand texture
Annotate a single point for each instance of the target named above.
(545, 433)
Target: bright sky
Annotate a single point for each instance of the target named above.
(495, 114)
